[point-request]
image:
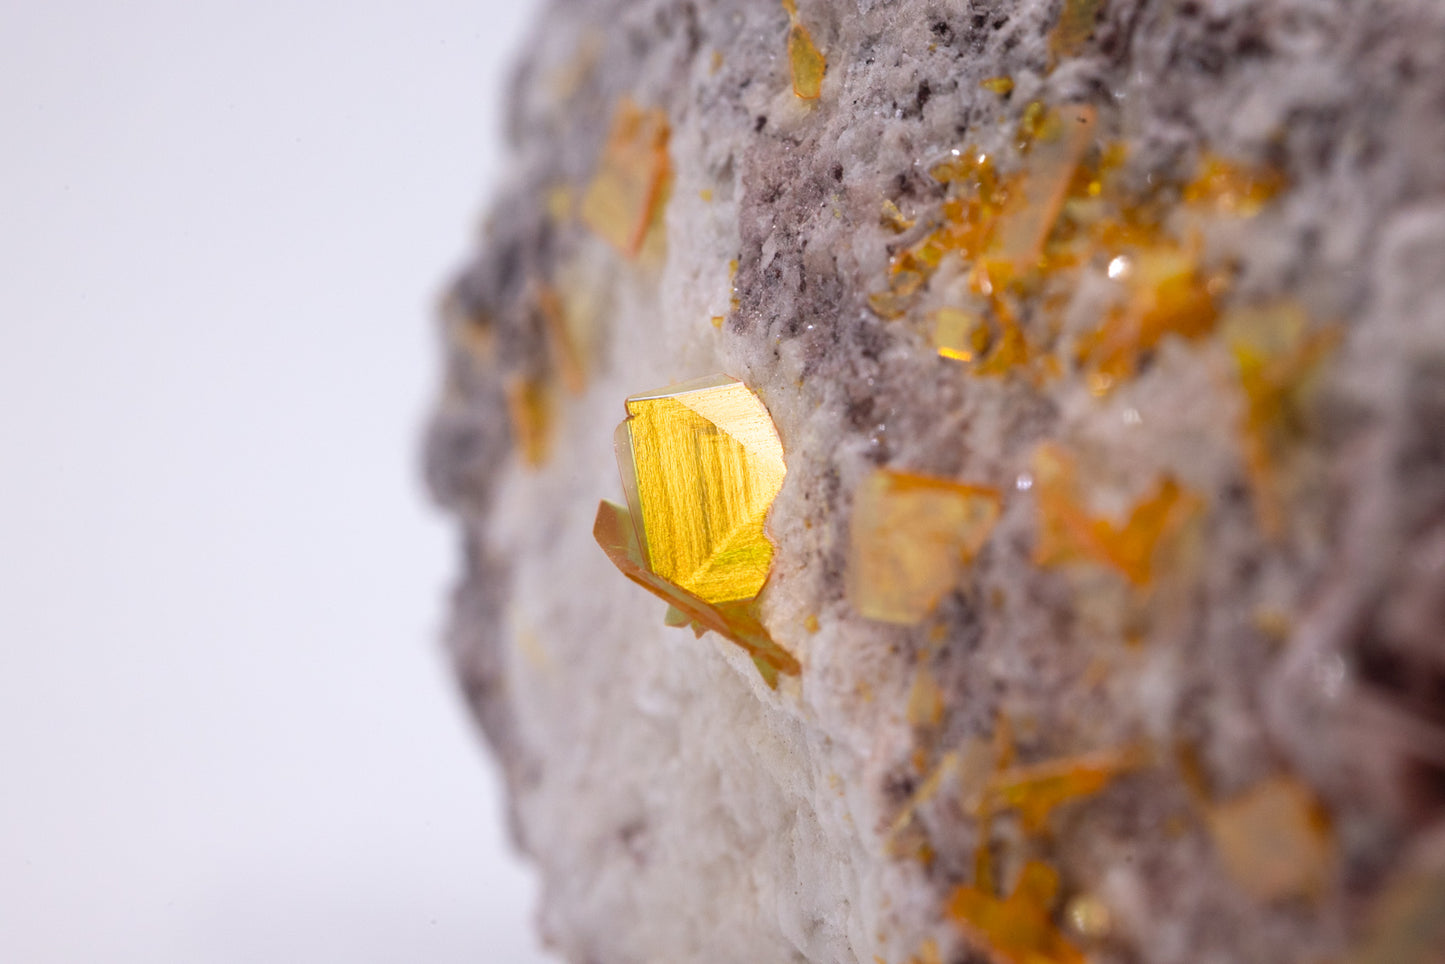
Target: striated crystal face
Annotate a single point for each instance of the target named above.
(701, 464)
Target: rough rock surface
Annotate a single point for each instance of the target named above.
(679, 809)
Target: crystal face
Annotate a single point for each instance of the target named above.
(805, 61)
(622, 200)
(701, 464)
(912, 537)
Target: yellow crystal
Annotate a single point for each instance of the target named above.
(912, 535)
(1168, 295)
(1068, 533)
(1233, 188)
(1063, 136)
(893, 219)
(1274, 840)
(960, 335)
(805, 61)
(701, 464)
(529, 409)
(627, 191)
(1035, 791)
(1278, 357)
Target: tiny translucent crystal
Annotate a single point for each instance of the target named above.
(1277, 356)
(701, 464)
(1068, 533)
(529, 409)
(805, 60)
(1233, 188)
(1064, 135)
(562, 343)
(959, 334)
(893, 219)
(912, 536)
(631, 177)
(1274, 840)
(1035, 791)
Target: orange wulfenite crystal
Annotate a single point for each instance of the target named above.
(1068, 533)
(998, 85)
(561, 343)
(1064, 135)
(1017, 929)
(1233, 188)
(1168, 295)
(1277, 358)
(805, 61)
(925, 700)
(960, 335)
(911, 537)
(701, 463)
(530, 411)
(1035, 791)
(1274, 840)
(623, 198)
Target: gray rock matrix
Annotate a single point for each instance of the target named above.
(680, 810)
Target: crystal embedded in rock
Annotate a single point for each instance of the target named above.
(701, 464)
(912, 535)
(631, 178)
(1274, 840)
(805, 61)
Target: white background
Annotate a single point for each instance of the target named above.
(227, 732)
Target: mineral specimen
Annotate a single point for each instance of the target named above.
(1099, 610)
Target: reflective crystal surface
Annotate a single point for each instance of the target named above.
(701, 464)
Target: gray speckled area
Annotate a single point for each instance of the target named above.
(680, 810)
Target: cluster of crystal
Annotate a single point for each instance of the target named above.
(701, 464)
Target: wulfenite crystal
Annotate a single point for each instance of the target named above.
(631, 178)
(805, 61)
(701, 464)
(912, 535)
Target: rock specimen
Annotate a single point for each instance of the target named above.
(1105, 343)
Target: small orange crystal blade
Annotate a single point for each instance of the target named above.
(807, 63)
(1051, 165)
(621, 200)
(737, 622)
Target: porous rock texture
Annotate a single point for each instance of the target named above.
(677, 808)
